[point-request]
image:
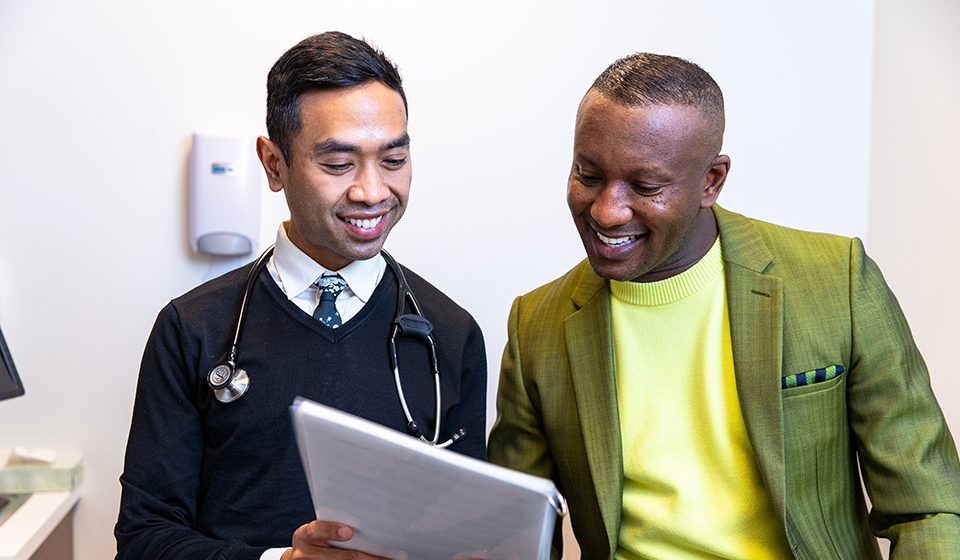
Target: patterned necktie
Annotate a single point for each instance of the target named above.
(326, 312)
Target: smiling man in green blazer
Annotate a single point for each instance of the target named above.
(705, 385)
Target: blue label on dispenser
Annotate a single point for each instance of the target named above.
(223, 169)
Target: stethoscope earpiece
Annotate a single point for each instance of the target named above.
(414, 429)
(461, 433)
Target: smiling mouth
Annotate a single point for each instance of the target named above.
(364, 224)
(616, 241)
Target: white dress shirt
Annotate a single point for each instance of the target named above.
(296, 274)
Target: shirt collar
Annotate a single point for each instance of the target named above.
(297, 271)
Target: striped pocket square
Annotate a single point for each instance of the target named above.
(811, 377)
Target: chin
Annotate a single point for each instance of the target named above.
(364, 253)
(611, 272)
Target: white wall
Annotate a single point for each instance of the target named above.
(98, 100)
(914, 185)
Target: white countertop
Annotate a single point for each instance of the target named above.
(23, 533)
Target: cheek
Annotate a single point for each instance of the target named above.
(402, 189)
(666, 211)
(578, 198)
(399, 184)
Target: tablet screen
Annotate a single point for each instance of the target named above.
(10, 385)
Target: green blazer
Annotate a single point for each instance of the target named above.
(797, 302)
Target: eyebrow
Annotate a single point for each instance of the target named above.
(656, 173)
(401, 141)
(583, 158)
(332, 145)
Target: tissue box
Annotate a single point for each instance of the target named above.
(62, 475)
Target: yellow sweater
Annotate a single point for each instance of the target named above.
(691, 484)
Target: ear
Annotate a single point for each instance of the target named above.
(714, 179)
(273, 163)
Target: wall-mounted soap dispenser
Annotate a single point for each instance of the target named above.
(224, 195)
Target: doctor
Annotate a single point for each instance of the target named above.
(211, 479)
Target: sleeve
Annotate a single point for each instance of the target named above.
(907, 455)
(517, 440)
(161, 477)
(470, 412)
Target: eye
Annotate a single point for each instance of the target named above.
(395, 163)
(336, 167)
(586, 178)
(646, 190)
(335, 164)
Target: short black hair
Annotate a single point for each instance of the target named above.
(324, 61)
(644, 79)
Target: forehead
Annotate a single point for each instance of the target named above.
(367, 111)
(663, 132)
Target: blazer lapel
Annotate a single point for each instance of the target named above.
(590, 355)
(755, 306)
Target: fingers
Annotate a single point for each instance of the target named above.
(319, 532)
(311, 541)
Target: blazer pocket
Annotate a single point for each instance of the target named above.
(820, 467)
(809, 380)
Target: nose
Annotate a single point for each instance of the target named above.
(611, 207)
(369, 186)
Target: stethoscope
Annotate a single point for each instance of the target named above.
(229, 382)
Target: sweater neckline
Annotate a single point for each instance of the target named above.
(383, 288)
(675, 288)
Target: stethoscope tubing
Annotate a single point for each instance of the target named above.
(251, 276)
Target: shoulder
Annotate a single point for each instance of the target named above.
(758, 244)
(229, 282)
(787, 240)
(213, 300)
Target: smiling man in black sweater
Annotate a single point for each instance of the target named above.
(208, 479)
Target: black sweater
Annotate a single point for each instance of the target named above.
(203, 479)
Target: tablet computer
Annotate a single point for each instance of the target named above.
(10, 385)
(406, 499)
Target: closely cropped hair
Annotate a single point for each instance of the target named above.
(328, 60)
(645, 79)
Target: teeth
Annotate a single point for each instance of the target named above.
(616, 241)
(365, 224)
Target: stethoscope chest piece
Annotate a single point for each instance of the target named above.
(228, 383)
